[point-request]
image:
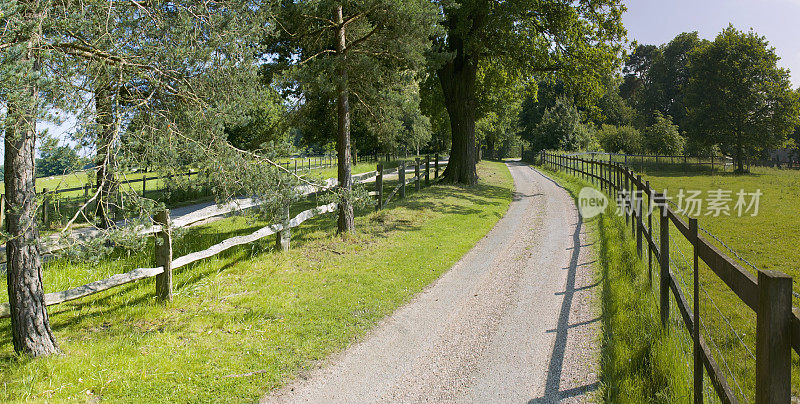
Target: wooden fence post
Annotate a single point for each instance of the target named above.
(649, 231)
(379, 187)
(3, 211)
(663, 255)
(773, 352)
(416, 174)
(639, 219)
(583, 169)
(436, 166)
(284, 237)
(427, 170)
(697, 353)
(163, 253)
(629, 196)
(46, 208)
(401, 175)
(119, 209)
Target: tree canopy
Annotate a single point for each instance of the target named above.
(738, 97)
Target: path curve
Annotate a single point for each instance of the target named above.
(513, 321)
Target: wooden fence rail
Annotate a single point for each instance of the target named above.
(768, 294)
(162, 228)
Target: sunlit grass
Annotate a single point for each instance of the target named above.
(768, 241)
(640, 361)
(250, 309)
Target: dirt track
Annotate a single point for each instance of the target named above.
(512, 321)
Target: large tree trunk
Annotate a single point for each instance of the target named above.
(105, 152)
(739, 155)
(30, 325)
(346, 216)
(458, 86)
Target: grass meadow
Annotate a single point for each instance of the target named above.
(768, 240)
(250, 319)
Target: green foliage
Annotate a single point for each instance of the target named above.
(263, 126)
(636, 67)
(611, 108)
(545, 95)
(499, 132)
(561, 128)
(580, 41)
(662, 137)
(55, 159)
(620, 139)
(738, 97)
(665, 79)
(386, 44)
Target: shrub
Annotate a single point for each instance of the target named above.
(662, 137)
(620, 139)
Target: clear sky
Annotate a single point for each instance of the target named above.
(658, 21)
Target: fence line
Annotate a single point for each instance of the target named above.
(163, 249)
(768, 294)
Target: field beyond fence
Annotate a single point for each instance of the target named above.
(688, 268)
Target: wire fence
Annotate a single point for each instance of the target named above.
(726, 338)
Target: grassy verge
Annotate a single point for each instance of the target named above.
(251, 309)
(640, 361)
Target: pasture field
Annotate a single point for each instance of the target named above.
(768, 240)
(250, 319)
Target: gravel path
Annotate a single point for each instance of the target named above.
(513, 321)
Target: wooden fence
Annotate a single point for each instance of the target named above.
(50, 197)
(686, 162)
(769, 294)
(162, 228)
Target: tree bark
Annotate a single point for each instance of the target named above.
(30, 325)
(457, 78)
(346, 222)
(739, 155)
(105, 152)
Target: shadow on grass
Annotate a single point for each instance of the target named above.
(111, 305)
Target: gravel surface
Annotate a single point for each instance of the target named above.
(514, 320)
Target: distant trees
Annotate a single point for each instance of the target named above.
(665, 79)
(56, 159)
(687, 96)
(561, 128)
(737, 96)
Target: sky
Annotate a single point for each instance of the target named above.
(658, 21)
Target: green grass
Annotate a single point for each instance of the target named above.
(768, 240)
(640, 361)
(251, 308)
